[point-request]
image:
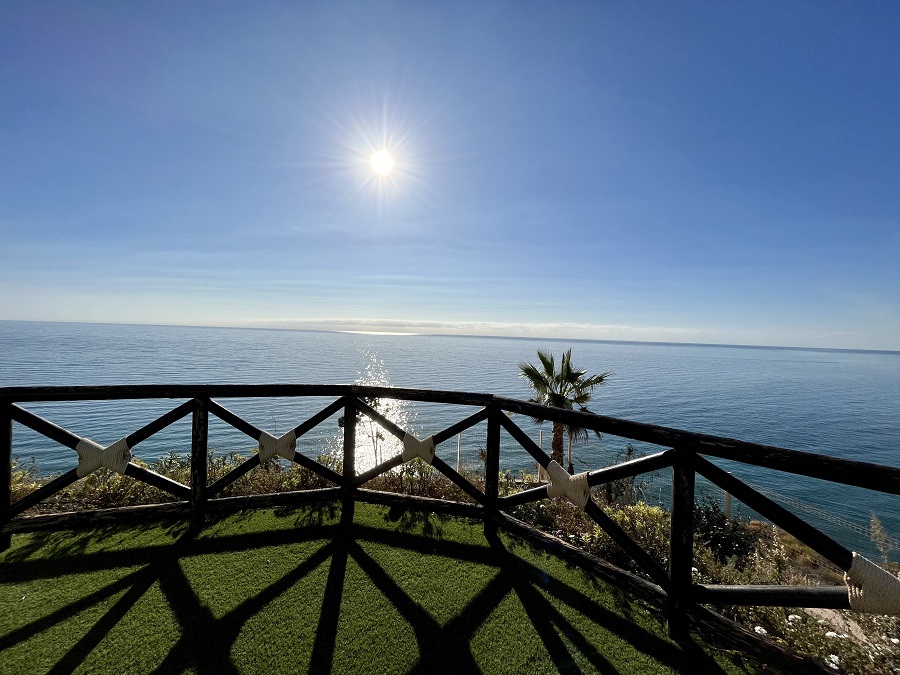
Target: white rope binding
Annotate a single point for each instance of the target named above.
(413, 447)
(872, 589)
(574, 488)
(283, 446)
(91, 456)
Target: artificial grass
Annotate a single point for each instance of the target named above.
(317, 590)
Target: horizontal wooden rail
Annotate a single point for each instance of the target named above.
(843, 471)
(135, 391)
(826, 597)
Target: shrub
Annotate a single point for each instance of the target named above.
(725, 537)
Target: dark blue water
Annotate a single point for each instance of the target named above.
(838, 403)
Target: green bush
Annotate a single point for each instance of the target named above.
(725, 537)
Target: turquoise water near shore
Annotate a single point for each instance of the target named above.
(832, 402)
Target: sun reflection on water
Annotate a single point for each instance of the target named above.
(373, 443)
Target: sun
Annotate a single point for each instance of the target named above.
(382, 163)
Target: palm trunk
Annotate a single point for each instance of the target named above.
(556, 447)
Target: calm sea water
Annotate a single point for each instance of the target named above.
(838, 403)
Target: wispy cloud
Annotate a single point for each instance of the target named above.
(495, 328)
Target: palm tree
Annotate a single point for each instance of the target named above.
(565, 388)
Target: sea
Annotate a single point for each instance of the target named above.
(839, 403)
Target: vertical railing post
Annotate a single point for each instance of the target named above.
(6, 470)
(199, 462)
(349, 448)
(681, 543)
(492, 468)
(350, 439)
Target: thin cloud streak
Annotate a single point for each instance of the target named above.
(491, 328)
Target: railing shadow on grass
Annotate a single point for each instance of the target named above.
(685, 453)
(206, 641)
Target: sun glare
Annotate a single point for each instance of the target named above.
(382, 162)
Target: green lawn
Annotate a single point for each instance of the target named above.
(304, 590)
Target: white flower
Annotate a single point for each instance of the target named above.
(760, 630)
(793, 617)
(896, 641)
(831, 634)
(695, 570)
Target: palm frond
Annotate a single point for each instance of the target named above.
(566, 387)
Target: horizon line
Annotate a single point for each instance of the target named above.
(667, 343)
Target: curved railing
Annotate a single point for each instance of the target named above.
(869, 588)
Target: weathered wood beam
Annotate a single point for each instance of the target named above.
(681, 543)
(844, 471)
(492, 461)
(6, 438)
(349, 440)
(847, 472)
(425, 395)
(417, 503)
(199, 461)
(124, 515)
(96, 518)
(827, 597)
(182, 391)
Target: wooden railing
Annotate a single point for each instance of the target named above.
(685, 452)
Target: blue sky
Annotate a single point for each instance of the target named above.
(697, 172)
